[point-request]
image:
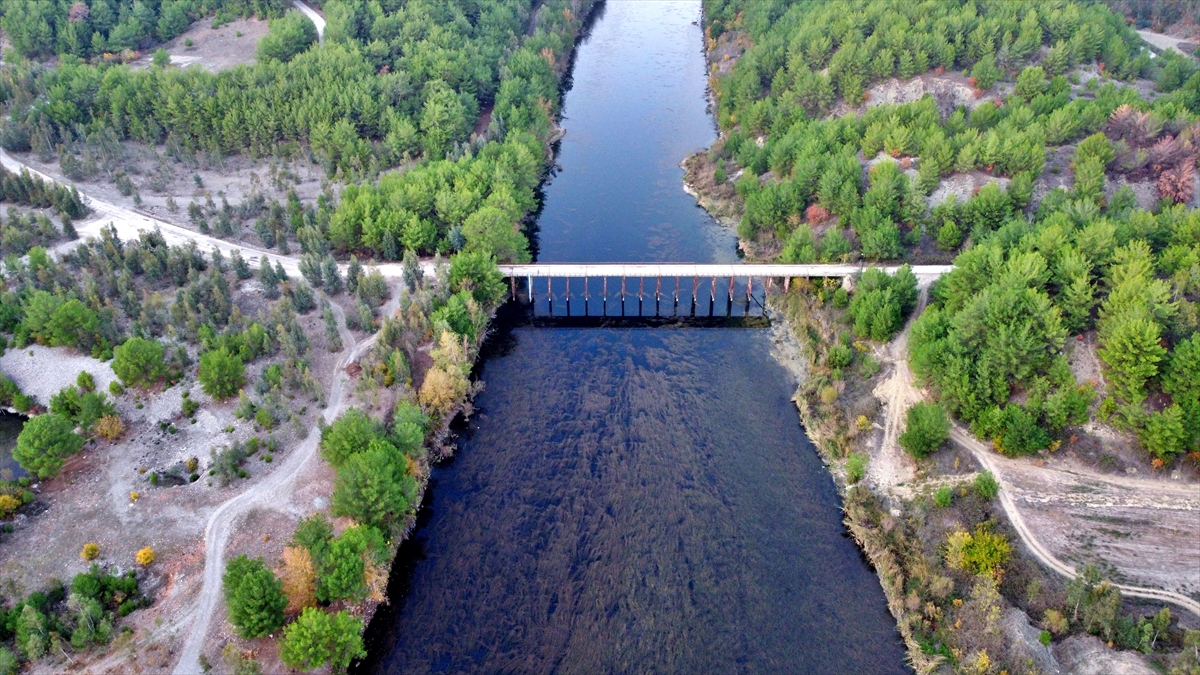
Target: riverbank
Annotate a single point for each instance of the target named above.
(853, 413)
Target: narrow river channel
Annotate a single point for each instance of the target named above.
(633, 500)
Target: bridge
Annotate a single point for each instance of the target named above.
(741, 278)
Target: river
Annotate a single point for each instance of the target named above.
(632, 499)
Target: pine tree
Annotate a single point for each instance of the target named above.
(255, 597)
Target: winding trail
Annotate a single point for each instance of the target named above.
(314, 16)
(276, 487)
(995, 463)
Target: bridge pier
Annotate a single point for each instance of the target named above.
(847, 273)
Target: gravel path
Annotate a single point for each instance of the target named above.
(1000, 466)
(275, 489)
(317, 19)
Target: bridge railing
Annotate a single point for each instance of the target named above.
(689, 290)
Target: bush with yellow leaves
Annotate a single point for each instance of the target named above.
(983, 552)
(110, 427)
(446, 383)
(8, 505)
(299, 579)
(441, 391)
(144, 557)
(90, 551)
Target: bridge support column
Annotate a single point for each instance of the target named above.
(512, 286)
(787, 282)
(529, 285)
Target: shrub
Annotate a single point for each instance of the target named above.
(85, 382)
(856, 467)
(944, 496)
(110, 427)
(139, 362)
(90, 551)
(442, 390)
(264, 418)
(189, 407)
(949, 236)
(1163, 434)
(927, 429)
(982, 552)
(221, 373)
(838, 356)
(144, 557)
(8, 505)
(115, 388)
(828, 394)
(299, 579)
(986, 485)
(343, 568)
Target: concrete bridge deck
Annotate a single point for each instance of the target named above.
(645, 270)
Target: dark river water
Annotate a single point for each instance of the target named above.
(632, 499)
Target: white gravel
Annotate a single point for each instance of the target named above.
(42, 371)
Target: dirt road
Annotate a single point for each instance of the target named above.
(890, 467)
(1161, 41)
(317, 19)
(276, 488)
(1148, 494)
(128, 223)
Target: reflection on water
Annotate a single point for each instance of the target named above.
(632, 497)
(636, 108)
(10, 427)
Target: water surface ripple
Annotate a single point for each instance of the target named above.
(632, 500)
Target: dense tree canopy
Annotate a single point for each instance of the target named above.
(288, 37)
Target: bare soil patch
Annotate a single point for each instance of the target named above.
(728, 48)
(1088, 655)
(963, 186)
(157, 178)
(213, 49)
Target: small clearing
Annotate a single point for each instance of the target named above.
(889, 466)
(1067, 514)
(213, 49)
(1165, 42)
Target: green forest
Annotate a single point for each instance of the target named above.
(1085, 259)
